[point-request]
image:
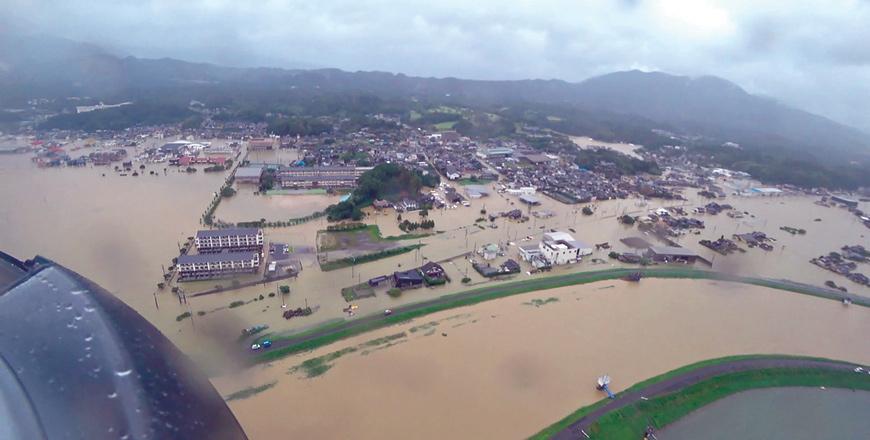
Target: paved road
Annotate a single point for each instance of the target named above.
(371, 321)
(690, 378)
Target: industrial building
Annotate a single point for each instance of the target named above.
(249, 175)
(217, 265)
(671, 254)
(261, 144)
(852, 203)
(233, 239)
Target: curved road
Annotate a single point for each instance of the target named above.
(371, 322)
(681, 381)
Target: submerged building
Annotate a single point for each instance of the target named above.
(321, 177)
(561, 248)
(232, 239)
(217, 265)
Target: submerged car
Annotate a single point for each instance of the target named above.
(255, 347)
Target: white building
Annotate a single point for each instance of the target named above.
(524, 190)
(217, 240)
(217, 265)
(561, 248)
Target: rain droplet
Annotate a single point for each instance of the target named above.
(89, 338)
(124, 373)
(113, 395)
(77, 292)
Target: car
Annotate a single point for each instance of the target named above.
(388, 312)
(255, 347)
(267, 343)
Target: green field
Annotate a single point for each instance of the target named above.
(369, 235)
(444, 126)
(367, 258)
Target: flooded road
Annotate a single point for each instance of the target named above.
(524, 362)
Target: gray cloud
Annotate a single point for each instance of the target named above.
(812, 54)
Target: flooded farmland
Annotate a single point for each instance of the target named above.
(534, 361)
(120, 230)
(536, 352)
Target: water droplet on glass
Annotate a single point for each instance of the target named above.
(89, 338)
(113, 395)
(124, 373)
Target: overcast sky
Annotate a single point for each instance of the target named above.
(812, 54)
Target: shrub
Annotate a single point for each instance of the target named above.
(235, 304)
(262, 297)
(587, 210)
(271, 294)
(627, 219)
(613, 254)
(200, 313)
(285, 289)
(395, 292)
(466, 280)
(182, 316)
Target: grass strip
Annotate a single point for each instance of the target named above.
(629, 422)
(248, 392)
(482, 294)
(551, 430)
(350, 261)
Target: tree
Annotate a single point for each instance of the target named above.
(587, 210)
(395, 292)
(228, 191)
(627, 219)
(284, 289)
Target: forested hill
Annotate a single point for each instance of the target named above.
(707, 106)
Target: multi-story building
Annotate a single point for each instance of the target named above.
(261, 144)
(321, 177)
(561, 248)
(217, 265)
(234, 239)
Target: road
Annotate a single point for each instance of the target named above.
(681, 381)
(371, 322)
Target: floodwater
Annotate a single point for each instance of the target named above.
(508, 368)
(120, 230)
(778, 414)
(532, 364)
(587, 142)
(245, 206)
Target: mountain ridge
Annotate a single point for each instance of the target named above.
(707, 105)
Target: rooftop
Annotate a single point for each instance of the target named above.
(249, 172)
(217, 257)
(226, 232)
(671, 250)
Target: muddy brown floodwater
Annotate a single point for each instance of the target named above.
(507, 368)
(503, 376)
